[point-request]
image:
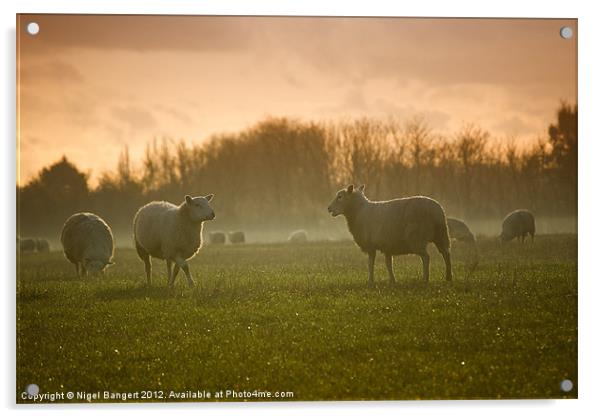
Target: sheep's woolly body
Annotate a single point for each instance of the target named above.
(27, 245)
(236, 237)
(459, 230)
(394, 227)
(165, 231)
(217, 237)
(42, 245)
(86, 236)
(518, 224)
(399, 226)
(298, 236)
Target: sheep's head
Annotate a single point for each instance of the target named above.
(96, 267)
(199, 209)
(343, 200)
(505, 237)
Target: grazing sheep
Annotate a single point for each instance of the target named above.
(27, 245)
(394, 227)
(459, 230)
(518, 224)
(88, 243)
(171, 233)
(42, 245)
(298, 236)
(236, 237)
(217, 237)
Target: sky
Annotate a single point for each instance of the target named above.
(90, 85)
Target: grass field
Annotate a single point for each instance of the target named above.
(301, 319)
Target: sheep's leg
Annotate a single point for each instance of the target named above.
(77, 269)
(389, 263)
(425, 266)
(184, 266)
(371, 258)
(168, 264)
(176, 270)
(147, 269)
(172, 274)
(448, 268)
(532, 236)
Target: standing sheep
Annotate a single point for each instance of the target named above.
(171, 233)
(88, 243)
(236, 237)
(42, 245)
(518, 224)
(459, 230)
(217, 237)
(298, 236)
(394, 227)
(27, 245)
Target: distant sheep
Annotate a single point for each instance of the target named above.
(518, 224)
(236, 237)
(42, 245)
(27, 245)
(458, 230)
(171, 233)
(88, 243)
(298, 236)
(394, 227)
(217, 237)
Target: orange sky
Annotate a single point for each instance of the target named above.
(89, 85)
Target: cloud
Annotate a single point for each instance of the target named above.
(516, 125)
(175, 113)
(140, 33)
(52, 71)
(136, 117)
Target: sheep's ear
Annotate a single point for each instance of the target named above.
(350, 188)
(361, 188)
(188, 199)
(209, 197)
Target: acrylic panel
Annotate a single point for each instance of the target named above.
(276, 209)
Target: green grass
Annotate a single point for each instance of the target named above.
(302, 319)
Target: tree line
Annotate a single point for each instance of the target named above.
(282, 172)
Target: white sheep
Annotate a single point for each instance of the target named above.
(42, 245)
(394, 227)
(460, 231)
(27, 245)
(171, 233)
(88, 243)
(518, 224)
(298, 236)
(217, 237)
(236, 237)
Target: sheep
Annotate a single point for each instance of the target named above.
(42, 245)
(217, 237)
(87, 243)
(171, 233)
(27, 245)
(459, 230)
(394, 227)
(518, 223)
(298, 236)
(236, 237)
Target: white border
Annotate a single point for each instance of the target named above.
(590, 71)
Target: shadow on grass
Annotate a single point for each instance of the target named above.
(32, 295)
(140, 291)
